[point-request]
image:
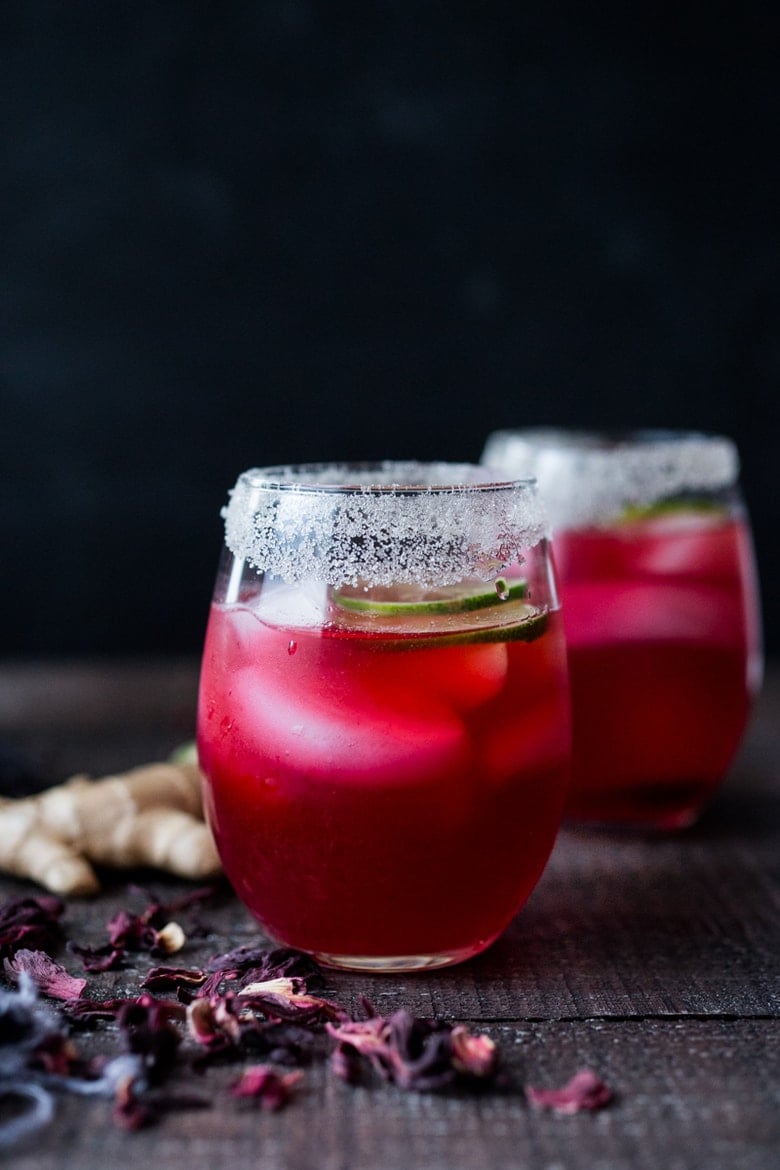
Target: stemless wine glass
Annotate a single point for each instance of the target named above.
(384, 719)
(660, 604)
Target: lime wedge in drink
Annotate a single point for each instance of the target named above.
(439, 602)
(404, 619)
(672, 507)
(531, 626)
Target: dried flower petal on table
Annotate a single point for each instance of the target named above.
(145, 932)
(411, 1052)
(214, 1023)
(30, 922)
(85, 1012)
(56, 1054)
(97, 959)
(227, 1027)
(148, 1032)
(136, 1108)
(254, 965)
(286, 999)
(152, 929)
(93, 1011)
(49, 977)
(280, 1041)
(130, 1110)
(183, 980)
(247, 1000)
(271, 1088)
(585, 1091)
(475, 1056)
(275, 982)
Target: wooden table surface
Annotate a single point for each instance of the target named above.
(654, 962)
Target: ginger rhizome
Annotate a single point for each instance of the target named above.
(149, 816)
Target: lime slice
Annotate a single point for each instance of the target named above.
(527, 630)
(527, 624)
(406, 621)
(443, 602)
(674, 506)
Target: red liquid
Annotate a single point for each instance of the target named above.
(661, 620)
(372, 800)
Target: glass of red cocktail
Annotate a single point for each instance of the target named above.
(383, 719)
(660, 603)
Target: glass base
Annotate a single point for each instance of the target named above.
(396, 964)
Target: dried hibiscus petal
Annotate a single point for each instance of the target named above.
(286, 999)
(145, 932)
(86, 1011)
(56, 1054)
(49, 977)
(228, 1026)
(475, 1056)
(271, 1088)
(421, 1052)
(145, 1024)
(182, 980)
(30, 922)
(279, 1041)
(585, 1091)
(97, 959)
(366, 1038)
(153, 929)
(130, 1111)
(214, 1023)
(255, 968)
(411, 1052)
(127, 930)
(256, 964)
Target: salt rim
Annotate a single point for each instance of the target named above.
(430, 524)
(590, 478)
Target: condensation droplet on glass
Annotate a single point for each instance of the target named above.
(502, 589)
(292, 646)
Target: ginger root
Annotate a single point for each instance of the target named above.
(151, 815)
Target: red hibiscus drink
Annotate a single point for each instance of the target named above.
(657, 577)
(384, 712)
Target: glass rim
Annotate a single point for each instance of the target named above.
(392, 522)
(361, 477)
(605, 440)
(590, 476)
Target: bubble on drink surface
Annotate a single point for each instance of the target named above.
(382, 524)
(590, 478)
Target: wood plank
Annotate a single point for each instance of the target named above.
(631, 929)
(689, 1095)
(656, 960)
(619, 925)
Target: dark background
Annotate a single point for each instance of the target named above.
(244, 233)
